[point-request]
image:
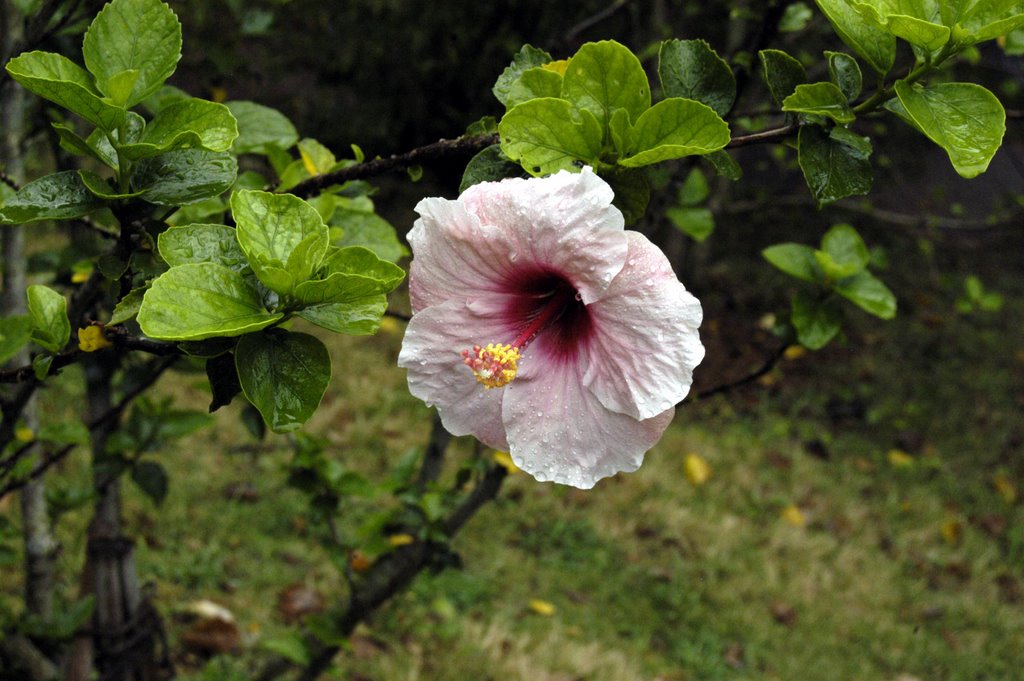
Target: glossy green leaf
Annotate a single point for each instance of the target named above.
(132, 35)
(695, 189)
(795, 260)
(692, 70)
(163, 98)
(186, 124)
(367, 229)
(356, 318)
(357, 260)
(985, 20)
(261, 128)
(605, 76)
(202, 243)
(832, 168)
(528, 57)
(781, 73)
(820, 99)
(844, 71)
(963, 118)
(185, 176)
(202, 300)
(916, 21)
(869, 294)
(49, 311)
(843, 253)
(488, 165)
(60, 196)
(816, 321)
(547, 135)
(279, 233)
(534, 83)
(875, 46)
(102, 188)
(15, 333)
(284, 375)
(60, 80)
(674, 128)
(72, 142)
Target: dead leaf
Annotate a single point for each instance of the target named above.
(212, 636)
(783, 613)
(298, 600)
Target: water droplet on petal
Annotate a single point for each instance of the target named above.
(579, 296)
(513, 256)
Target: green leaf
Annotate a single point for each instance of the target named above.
(674, 128)
(102, 188)
(869, 294)
(781, 73)
(488, 165)
(60, 196)
(72, 142)
(877, 47)
(695, 189)
(49, 310)
(151, 478)
(724, 164)
(71, 432)
(128, 307)
(844, 71)
(846, 252)
(15, 332)
(832, 169)
(202, 300)
(284, 375)
(963, 118)
(350, 274)
(132, 35)
(528, 57)
(291, 647)
(163, 98)
(692, 70)
(60, 80)
(185, 176)
(283, 237)
(987, 20)
(913, 20)
(41, 366)
(362, 228)
(605, 76)
(534, 83)
(697, 223)
(360, 261)
(356, 318)
(202, 243)
(261, 129)
(632, 192)
(820, 99)
(795, 260)
(547, 135)
(186, 124)
(816, 321)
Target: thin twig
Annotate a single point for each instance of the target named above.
(768, 365)
(461, 146)
(770, 135)
(592, 20)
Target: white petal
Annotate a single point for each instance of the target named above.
(559, 431)
(431, 352)
(564, 223)
(645, 343)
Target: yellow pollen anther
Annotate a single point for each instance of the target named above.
(493, 366)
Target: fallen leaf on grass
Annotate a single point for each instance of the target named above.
(298, 600)
(542, 607)
(783, 613)
(952, 531)
(697, 469)
(793, 516)
(900, 459)
(1007, 490)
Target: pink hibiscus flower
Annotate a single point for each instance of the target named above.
(545, 329)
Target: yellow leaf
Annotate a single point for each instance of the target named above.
(697, 469)
(952, 531)
(80, 277)
(794, 352)
(390, 325)
(558, 67)
(1005, 487)
(794, 516)
(218, 94)
(24, 434)
(542, 607)
(401, 539)
(91, 339)
(900, 459)
(505, 459)
(358, 561)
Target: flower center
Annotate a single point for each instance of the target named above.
(537, 308)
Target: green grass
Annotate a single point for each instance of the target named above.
(651, 576)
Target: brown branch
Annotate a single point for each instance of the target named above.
(768, 365)
(9, 181)
(433, 457)
(771, 135)
(462, 146)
